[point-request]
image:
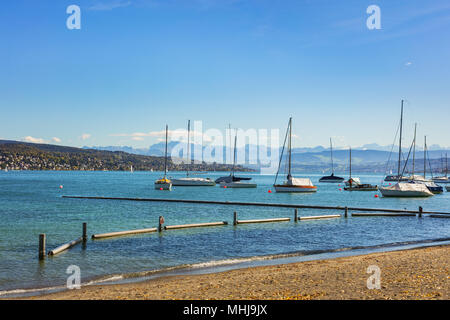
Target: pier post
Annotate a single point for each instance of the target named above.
(420, 212)
(346, 212)
(235, 218)
(42, 246)
(84, 232)
(161, 222)
(296, 215)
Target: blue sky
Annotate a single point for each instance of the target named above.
(136, 65)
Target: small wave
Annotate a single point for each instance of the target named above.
(209, 265)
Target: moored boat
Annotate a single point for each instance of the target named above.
(164, 183)
(292, 184)
(191, 181)
(232, 181)
(406, 189)
(331, 178)
(354, 184)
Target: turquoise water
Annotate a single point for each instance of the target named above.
(31, 203)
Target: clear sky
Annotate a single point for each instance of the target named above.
(136, 65)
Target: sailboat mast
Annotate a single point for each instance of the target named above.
(290, 146)
(350, 164)
(229, 136)
(165, 153)
(414, 151)
(400, 142)
(188, 147)
(446, 165)
(234, 156)
(332, 164)
(425, 158)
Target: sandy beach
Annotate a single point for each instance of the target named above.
(404, 275)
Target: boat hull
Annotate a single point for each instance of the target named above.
(331, 179)
(237, 185)
(298, 189)
(441, 180)
(195, 182)
(163, 186)
(404, 194)
(362, 188)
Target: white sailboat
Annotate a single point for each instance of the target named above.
(292, 184)
(191, 181)
(131, 169)
(445, 178)
(404, 189)
(164, 183)
(231, 181)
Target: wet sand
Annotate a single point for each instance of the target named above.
(405, 275)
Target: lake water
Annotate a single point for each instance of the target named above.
(31, 203)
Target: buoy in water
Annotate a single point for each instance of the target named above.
(160, 188)
(376, 196)
(340, 189)
(270, 191)
(60, 186)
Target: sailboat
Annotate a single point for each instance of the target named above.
(232, 182)
(401, 188)
(292, 184)
(433, 187)
(332, 178)
(231, 177)
(398, 177)
(164, 183)
(131, 169)
(443, 179)
(356, 185)
(191, 181)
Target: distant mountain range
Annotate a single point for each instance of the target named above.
(367, 158)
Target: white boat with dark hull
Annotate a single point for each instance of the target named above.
(164, 183)
(191, 181)
(331, 178)
(291, 184)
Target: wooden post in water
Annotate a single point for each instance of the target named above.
(235, 218)
(420, 212)
(42, 253)
(296, 215)
(161, 222)
(346, 212)
(84, 232)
